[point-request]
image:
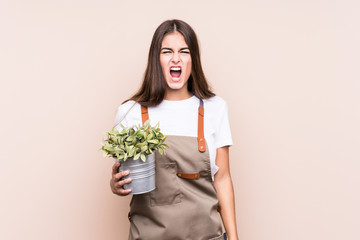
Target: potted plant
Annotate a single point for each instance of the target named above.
(135, 147)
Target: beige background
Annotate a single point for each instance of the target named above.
(289, 71)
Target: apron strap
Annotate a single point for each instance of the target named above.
(200, 135)
(144, 114)
(201, 138)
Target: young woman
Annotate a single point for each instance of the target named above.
(193, 185)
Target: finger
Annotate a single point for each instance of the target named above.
(115, 168)
(121, 174)
(124, 192)
(117, 187)
(120, 184)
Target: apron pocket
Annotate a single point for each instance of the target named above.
(167, 189)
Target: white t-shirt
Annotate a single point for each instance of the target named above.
(180, 118)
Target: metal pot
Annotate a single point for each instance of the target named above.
(141, 173)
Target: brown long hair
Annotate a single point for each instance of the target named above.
(152, 90)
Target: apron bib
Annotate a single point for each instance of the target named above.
(184, 205)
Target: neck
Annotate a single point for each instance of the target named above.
(176, 95)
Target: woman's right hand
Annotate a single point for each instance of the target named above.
(116, 183)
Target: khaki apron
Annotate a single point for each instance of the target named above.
(184, 204)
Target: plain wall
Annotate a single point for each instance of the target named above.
(289, 71)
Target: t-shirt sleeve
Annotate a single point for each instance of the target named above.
(120, 117)
(122, 114)
(223, 133)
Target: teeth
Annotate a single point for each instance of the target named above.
(175, 68)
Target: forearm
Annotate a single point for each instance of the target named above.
(225, 191)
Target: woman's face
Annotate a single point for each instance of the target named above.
(175, 60)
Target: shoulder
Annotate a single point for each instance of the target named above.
(123, 108)
(215, 103)
(216, 112)
(127, 111)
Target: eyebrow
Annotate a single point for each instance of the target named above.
(184, 48)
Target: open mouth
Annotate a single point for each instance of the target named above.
(175, 72)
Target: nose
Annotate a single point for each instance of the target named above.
(175, 58)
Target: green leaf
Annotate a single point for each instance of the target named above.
(143, 157)
(136, 157)
(108, 148)
(140, 135)
(130, 139)
(155, 141)
(150, 136)
(127, 149)
(137, 149)
(144, 148)
(124, 131)
(141, 144)
(147, 124)
(132, 151)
